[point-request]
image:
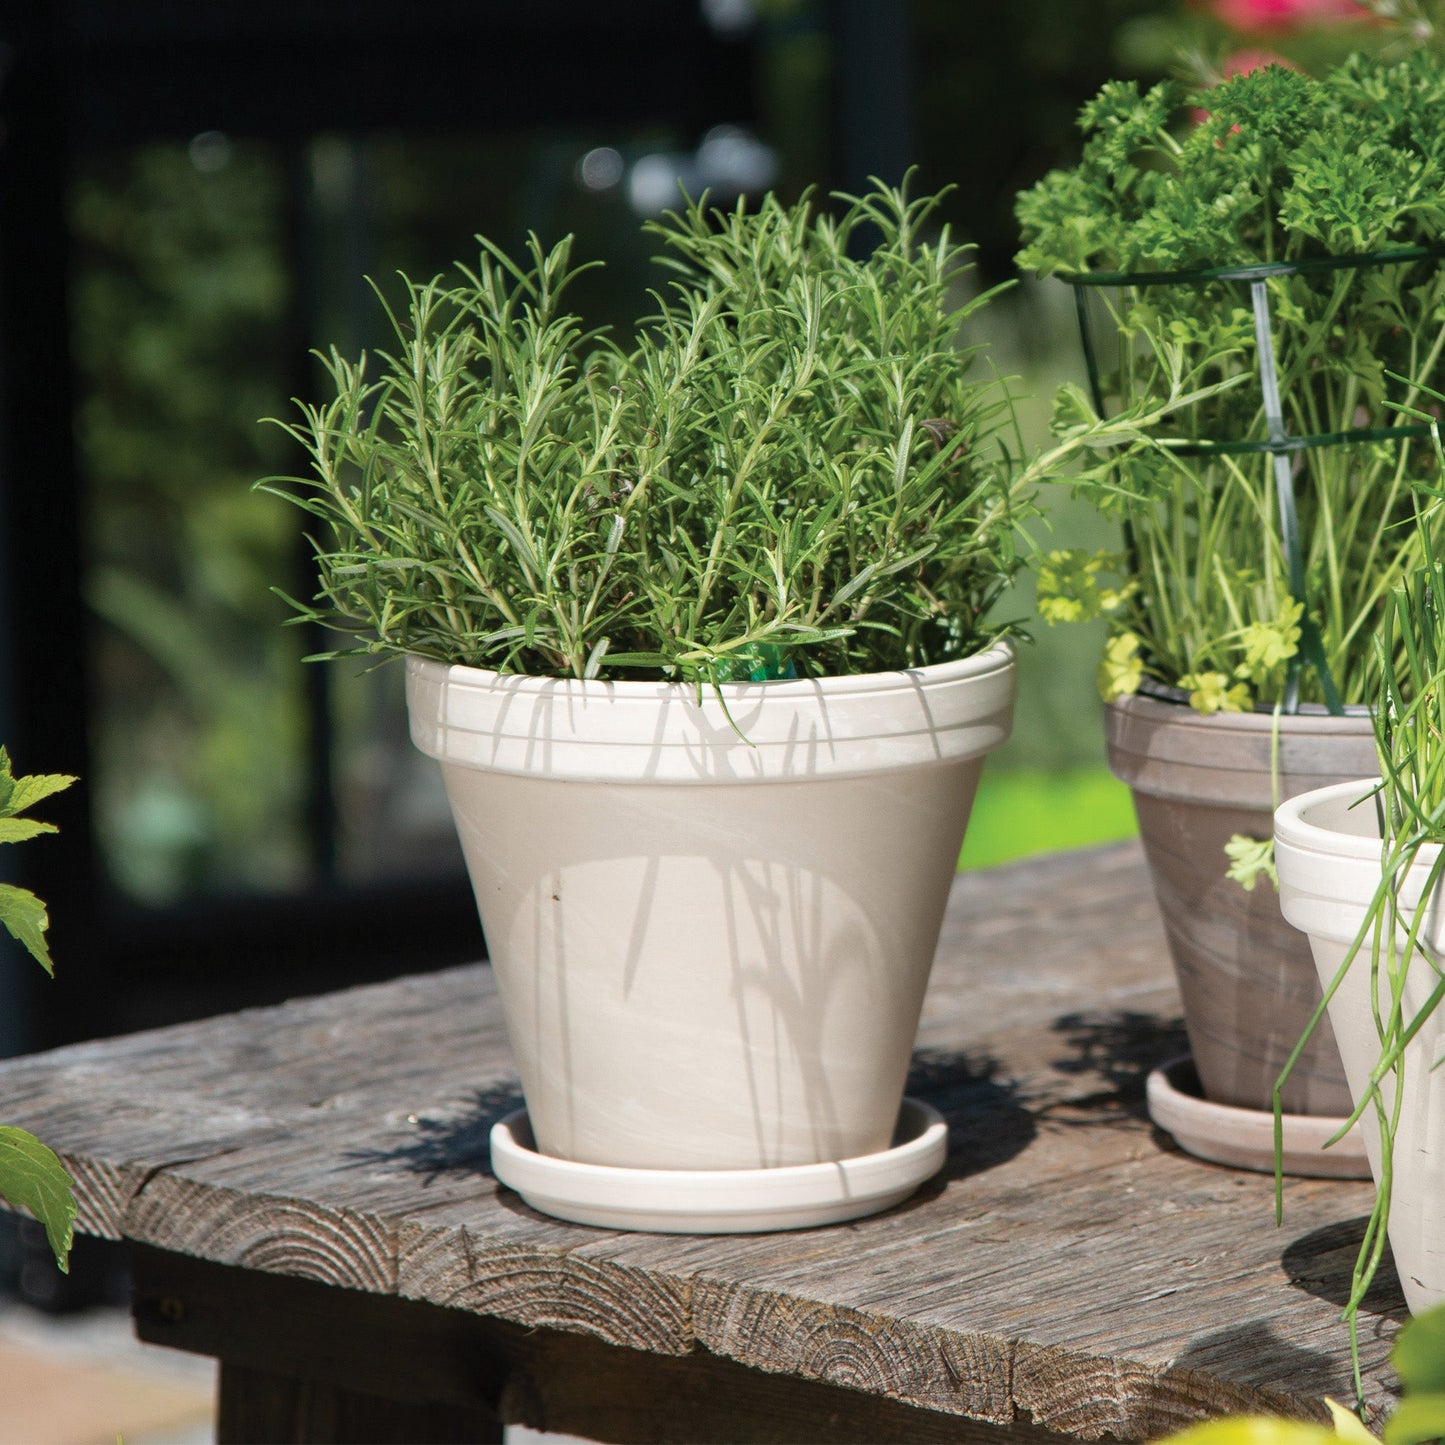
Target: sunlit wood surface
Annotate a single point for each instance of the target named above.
(310, 1183)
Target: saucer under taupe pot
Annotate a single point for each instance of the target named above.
(1247, 978)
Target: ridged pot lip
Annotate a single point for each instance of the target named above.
(650, 732)
(999, 657)
(1328, 876)
(1295, 828)
(1171, 753)
(1181, 715)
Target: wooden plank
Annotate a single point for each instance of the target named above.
(408, 1372)
(1068, 1267)
(577, 1386)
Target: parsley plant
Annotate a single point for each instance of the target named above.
(1272, 166)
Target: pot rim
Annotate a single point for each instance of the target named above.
(655, 732)
(1178, 697)
(1293, 827)
(997, 657)
(1180, 714)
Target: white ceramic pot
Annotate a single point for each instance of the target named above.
(711, 926)
(1328, 854)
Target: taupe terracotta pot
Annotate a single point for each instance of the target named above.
(1247, 977)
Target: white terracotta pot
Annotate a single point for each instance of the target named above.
(711, 929)
(1328, 855)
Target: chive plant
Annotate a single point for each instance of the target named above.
(1327, 194)
(798, 466)
(1409, 719)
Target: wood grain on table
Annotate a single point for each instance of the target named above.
(1069, 1269)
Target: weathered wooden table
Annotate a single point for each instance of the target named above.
(307, 1193)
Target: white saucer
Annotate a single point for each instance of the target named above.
(1244, 1138)
(721, 1201)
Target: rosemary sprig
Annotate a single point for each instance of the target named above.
(798, 466)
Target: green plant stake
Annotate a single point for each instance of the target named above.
(31, 1176)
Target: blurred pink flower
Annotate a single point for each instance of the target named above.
(1251, 17)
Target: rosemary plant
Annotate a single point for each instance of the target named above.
(798, 466)
(1266, 168)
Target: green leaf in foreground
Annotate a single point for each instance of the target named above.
(32, 1177)
(20, 910)
(1255, 1430)
(18, 794)
(25, 916)
(1419, 1353)
(1419, 1419)
(1348, 1426)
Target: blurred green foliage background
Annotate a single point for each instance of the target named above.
(189, 263)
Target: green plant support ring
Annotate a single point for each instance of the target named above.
(1279, 443)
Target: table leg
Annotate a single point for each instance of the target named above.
(303, 1361)
(255, 1407)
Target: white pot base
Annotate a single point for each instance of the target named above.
(722, 1201)
(1244, 1138)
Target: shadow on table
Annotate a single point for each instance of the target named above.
(457, 1143)
(987, 1121)
(1251, 1353)
(1322, 1263)
(1119, 1048)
